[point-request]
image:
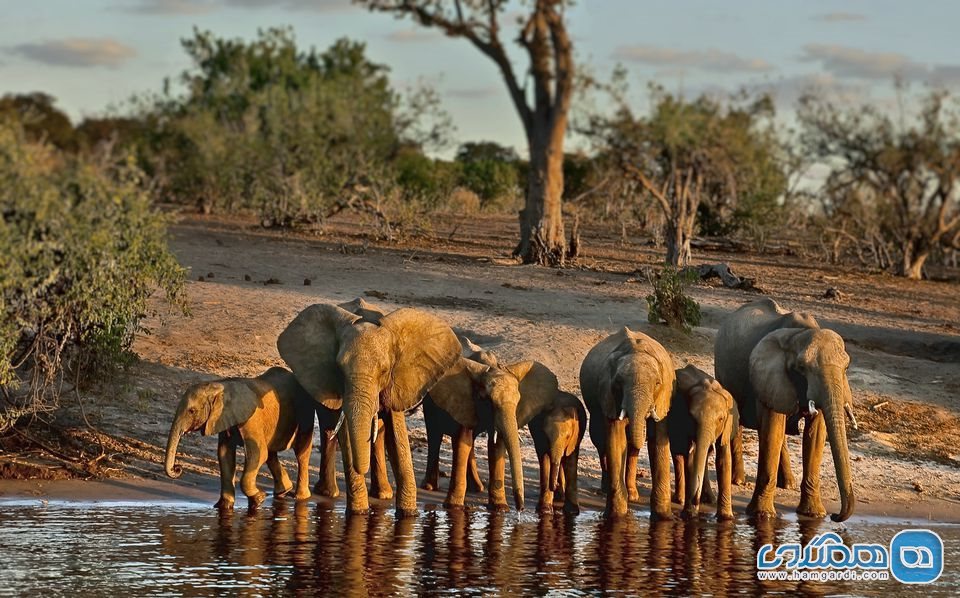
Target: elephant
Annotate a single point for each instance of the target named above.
(776, 364)
(557, 433)
(327, 484)
(267, 414)
(502, 400)
(702, 416)
(627, 383)
(439, 423)
(345, 361)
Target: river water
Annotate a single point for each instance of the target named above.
(134, 549)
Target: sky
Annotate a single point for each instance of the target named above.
(94, 54)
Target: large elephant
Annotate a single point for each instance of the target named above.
(367, 368)
(557, 433)
(501, 399)
(627, 382)
(702, 416)
(267, 414)
(775, 364)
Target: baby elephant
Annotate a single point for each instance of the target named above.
(267, 414)
(557, 433)
(702, 415)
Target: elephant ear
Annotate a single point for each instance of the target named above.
(733, 419)
(425, 347)
(453, 392)
(687, 378)
(309, 345)
(769, 375)
(367, 311)
(539, 388)
(232, 403)
(609, 404)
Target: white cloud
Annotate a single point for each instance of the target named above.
(172, 7)
(711, 59)
(412, 35)
(78, 52)
(854, 63)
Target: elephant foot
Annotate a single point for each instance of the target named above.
(475, 486)
(256, 500)
(545, 508)
(304, 494)
(725, 515)
(357, 511)
(689, 513)
(661, 515)
(571, 509)
(785, 482)
(429, 486)
(281, 493)
(676, 499)
(324, 490)
(708, 498)
(760, 510)
(406, 513)
(739, 479)
(384, 494)
(450, 506)
(811, 508)
(224, 504)
(498, 507)
(633, 495)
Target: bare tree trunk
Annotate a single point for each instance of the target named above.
(913, 268)
(678, 242)
(541, 220)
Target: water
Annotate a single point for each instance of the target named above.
(89, 549)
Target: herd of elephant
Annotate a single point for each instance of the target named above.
(361, 371)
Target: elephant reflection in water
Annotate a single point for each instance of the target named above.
(554, 549)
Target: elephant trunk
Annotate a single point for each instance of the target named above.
(556, 457)
(637, 406)
(177, 429)
(507, 424)
(359, 411)
(837, 435)
(697, 467)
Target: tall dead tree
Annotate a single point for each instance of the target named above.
(546, 42)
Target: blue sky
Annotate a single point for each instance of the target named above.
(93, 53)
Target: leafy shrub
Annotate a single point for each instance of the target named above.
(81, 251)
(668, 303)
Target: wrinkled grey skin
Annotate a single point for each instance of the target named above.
(776, 364)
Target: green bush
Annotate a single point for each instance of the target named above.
(668, 303)
(81, 251)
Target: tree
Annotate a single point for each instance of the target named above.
(488, 169)
(545, 39)
(688, 152)
(908, 176)
(40, 119)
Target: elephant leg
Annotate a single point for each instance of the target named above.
(496, 459)
(545, 506)
(379, 482)
(571, 504)
(691, 507)
(736, 447)
(357, 501)
(458, 477)
(772, 428)
(561, 485)
(814, 436)
(431, 478)
(785, 478)
(724, 498)
(302, 446)
(598, 434)
(253, 458)
(474, 483)
(658, 447)
(227, 459)
(616, 461)
(327, 484)
(281, 481)
(679, 481)
(402, 464)
(630, 473)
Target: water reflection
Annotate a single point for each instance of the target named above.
(313, 549)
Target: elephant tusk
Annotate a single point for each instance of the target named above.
(811, 408)
(623, 414)
(376, 429)
(653, 414)
(853, 419)
(494, 438)
(336, 428)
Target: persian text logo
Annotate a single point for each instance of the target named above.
(914, 556)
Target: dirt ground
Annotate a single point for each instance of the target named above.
(901, 335)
